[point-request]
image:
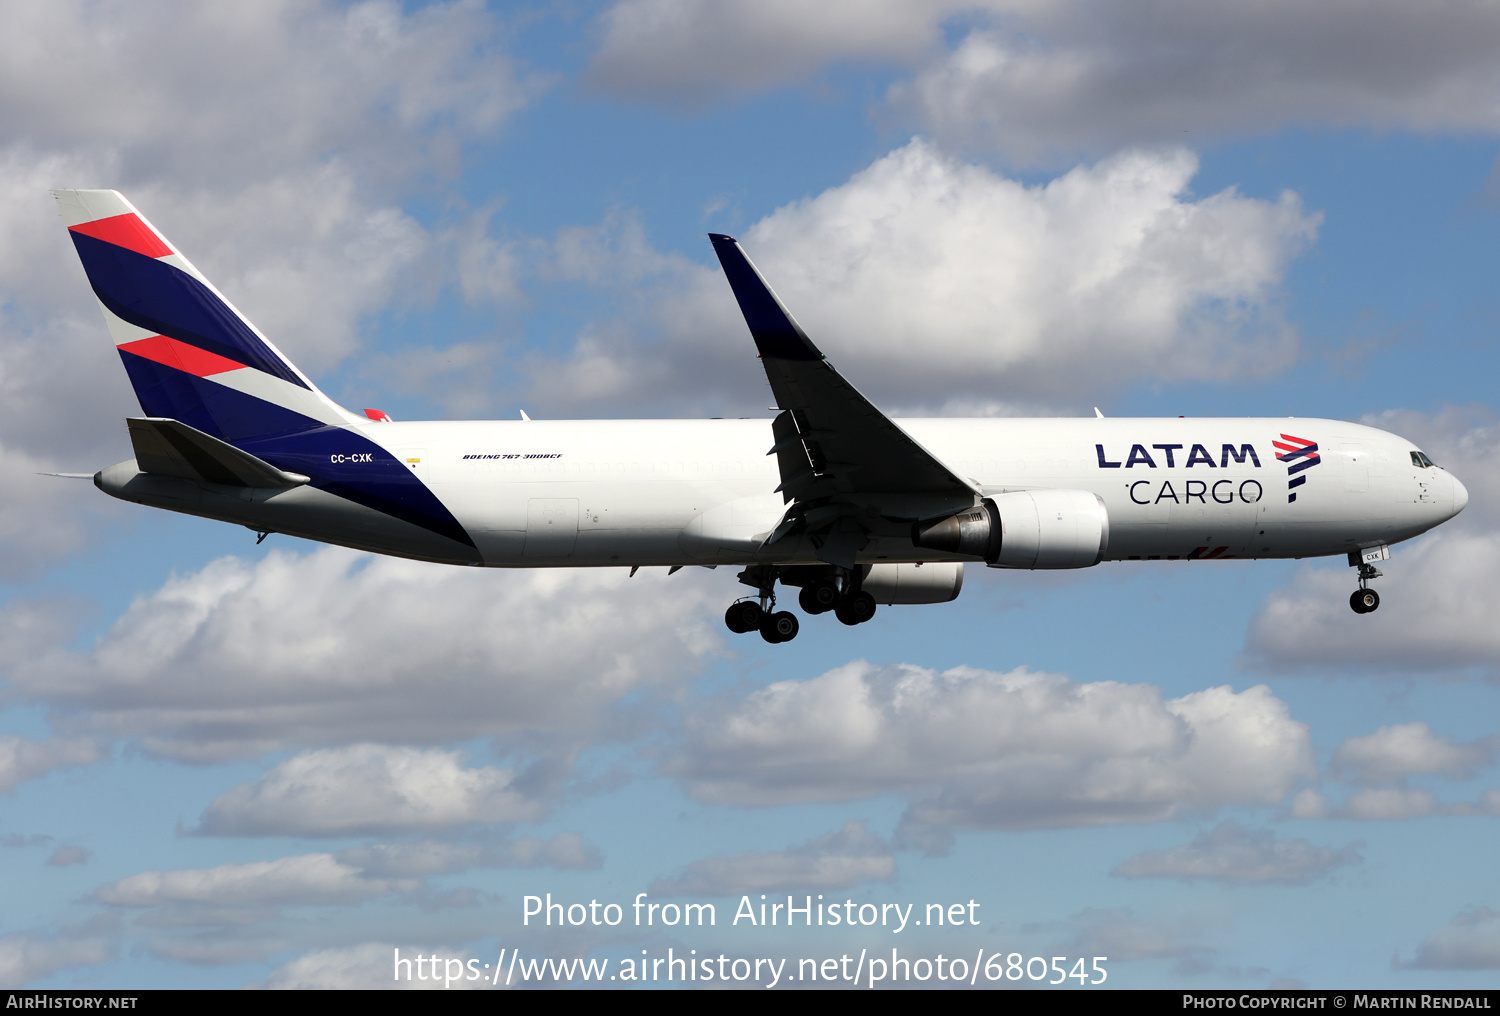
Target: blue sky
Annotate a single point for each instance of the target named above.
(224, 764)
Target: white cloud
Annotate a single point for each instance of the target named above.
(241, 88)
(1035, 81)
(371, 965)
(1092, 75)
(1032, 294)
(837, 860)
(1471, 941)
(406, 860)
(1400, 750)
(303, 880)
(1231, 853)
(337, 647)
(365, 788)
(1308, 803)
(23, 759)
(688, 52)
(1389, 803)
(974, 748)
(234, 912)
(43, 519)
(25, 958)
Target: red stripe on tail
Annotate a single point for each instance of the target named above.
(126, 231)
(182, 356)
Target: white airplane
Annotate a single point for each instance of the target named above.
(831, 495)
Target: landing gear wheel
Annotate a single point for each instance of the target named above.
(818, 598)
(858, 609)
(1364, 600)
(779, 627)
(742, 616)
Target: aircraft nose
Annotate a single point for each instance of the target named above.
(1460, 496)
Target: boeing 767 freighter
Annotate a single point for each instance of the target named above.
(831, 496)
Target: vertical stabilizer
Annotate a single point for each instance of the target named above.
(195, 360)
(191, 356)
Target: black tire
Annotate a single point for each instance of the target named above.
(858, 609)
(742, 616)
(807, 602)
(781, 626)
(824, 596)
(1363, 601)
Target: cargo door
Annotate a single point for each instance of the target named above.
(551, 528)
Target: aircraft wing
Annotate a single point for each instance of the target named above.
(830, 439)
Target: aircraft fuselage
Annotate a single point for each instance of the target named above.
(679, 492)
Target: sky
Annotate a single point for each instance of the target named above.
(282, 765)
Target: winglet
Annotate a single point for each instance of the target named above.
(775, 331)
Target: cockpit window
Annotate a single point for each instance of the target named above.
(1421, 461)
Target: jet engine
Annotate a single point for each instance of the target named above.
(1051, 529)
(1024, 529)
(929, 582)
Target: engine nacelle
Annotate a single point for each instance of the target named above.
(1051, 529)
(929, 582)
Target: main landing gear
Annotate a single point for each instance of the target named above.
(839, 593)
(774, 625)
(852, 607)
(1364, 599)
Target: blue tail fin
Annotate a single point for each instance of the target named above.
(190, 355)
(194, 359)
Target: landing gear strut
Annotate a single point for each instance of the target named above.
(1364, 599)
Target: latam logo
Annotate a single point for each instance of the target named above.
(1199, 456)
(1302, 454)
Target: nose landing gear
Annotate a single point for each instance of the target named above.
(1364, 599)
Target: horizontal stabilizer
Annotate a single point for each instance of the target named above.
(172, 448)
